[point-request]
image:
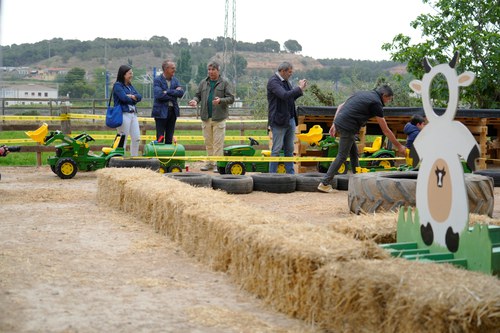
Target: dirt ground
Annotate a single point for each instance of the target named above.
(70, 265)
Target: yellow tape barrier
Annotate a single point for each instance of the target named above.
(103, 117)
(180, 138)
(259, 158)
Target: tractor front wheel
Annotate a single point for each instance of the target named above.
(66, 168)
(386, 164)
(235, 168)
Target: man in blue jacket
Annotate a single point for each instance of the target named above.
(282, 118)
(166, 90)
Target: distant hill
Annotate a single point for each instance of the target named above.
(147, 60)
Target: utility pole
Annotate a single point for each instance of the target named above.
(230, 50)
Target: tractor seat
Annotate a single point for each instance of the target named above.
(376, 145)
(119, 141)
(312, 137)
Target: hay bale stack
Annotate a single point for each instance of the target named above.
(322, 275)
(380, 227)
(397, 295)
(278, 262)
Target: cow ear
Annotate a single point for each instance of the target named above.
(416, 86)
(465, 79)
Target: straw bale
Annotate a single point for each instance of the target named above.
(278, 262)
(396, 295)
(382, 227)
(379, 227)
(335, 276)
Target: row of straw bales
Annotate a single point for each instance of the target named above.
(335, 278)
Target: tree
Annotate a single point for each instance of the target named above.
(292, 46)
(184, 67)
(201, 73)
(75, 84)
(470, 27)
(240, 64)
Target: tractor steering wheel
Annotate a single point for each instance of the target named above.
(89, 138)
(253, 142)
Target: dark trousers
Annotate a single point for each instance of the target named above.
(165, 127)
(347, 147)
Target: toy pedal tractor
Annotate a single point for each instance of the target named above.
(240, 168)
(74, 154)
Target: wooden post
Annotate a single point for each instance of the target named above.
(65, 123)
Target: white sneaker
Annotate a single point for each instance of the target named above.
(325, 188)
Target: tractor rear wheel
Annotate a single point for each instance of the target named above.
(66, 168)
(174, 168)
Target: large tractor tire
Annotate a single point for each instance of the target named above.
(387, 191)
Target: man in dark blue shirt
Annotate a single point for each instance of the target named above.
(349, 118)
(282, 117)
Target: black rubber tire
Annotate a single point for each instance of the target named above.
(235, 168)
(493, 173)
(309, 181)
(274, 182)
(192, 178)
(342, 181)
(66, 168)
(145, 163)
(222, 170)
(233, 184)
(174, 168)
(387, 191)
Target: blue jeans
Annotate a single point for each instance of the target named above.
(347, 146)
(283, 138)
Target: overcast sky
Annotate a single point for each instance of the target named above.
(325, 29)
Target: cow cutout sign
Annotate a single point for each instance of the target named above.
(441, 196)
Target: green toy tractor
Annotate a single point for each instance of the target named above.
(330, 148)
(73, 154)
(240, 168)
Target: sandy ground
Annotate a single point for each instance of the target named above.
(70, 265)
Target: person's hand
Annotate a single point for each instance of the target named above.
(216, 101)
(192, 103)
(174, 139)
(303, 84)
(402, 151)
(332, 131)
(178, 88)
(132, 97)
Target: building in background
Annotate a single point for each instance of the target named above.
(29, 93)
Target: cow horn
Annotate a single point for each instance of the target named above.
(454, 61)
(426, 64)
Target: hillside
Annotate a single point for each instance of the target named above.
(256, 61)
